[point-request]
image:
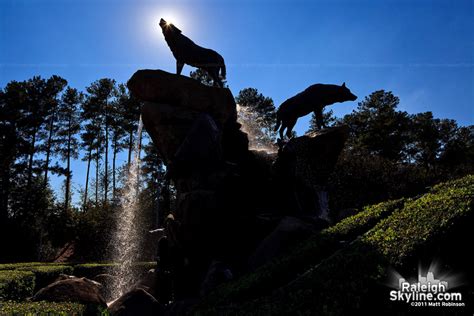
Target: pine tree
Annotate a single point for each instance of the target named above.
(67, 144)
(263, 107)
(100, 99)
(55, 86)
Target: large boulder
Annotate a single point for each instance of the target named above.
(136, 302)
(162, 87)
(177, 108)
(72, 289)
(288, 232)
(304, 165)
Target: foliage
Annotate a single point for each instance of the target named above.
(340, 283)
(423, 219)
(14, 266)
(46, 274)
(263, 107)
(281, 270)
(90, 270)
(41, 308)
(328, 120)
(16, 285)
(203, 77)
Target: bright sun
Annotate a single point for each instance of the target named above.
(171, 18)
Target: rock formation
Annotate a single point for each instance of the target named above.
(228, 197)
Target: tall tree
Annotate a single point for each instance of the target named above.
(378, 127)
(154, 179)
(91, 140)
(118, 129)
(264, 109)
(129, 107)
(33, 118)
(67, 144)
(54, 86)
(328, 120)
(101, 93)
(88, 143)
(203, 77)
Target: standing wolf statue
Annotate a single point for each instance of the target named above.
(313, 99)
(187, 52)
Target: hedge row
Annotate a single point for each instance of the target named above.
(22, 280)
(344, 281)
(42, 308)
(16, 285)
(45, 275)
(281, 270)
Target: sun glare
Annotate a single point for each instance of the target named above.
(170, 18)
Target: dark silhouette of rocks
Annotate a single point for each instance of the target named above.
(174, 102)
(136, 302)
(73, 289)
(288, 232)
(305, 164)
(313, 99)
(187, 52)
(235, 208)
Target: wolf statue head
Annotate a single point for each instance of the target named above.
(168, 28)
(345, 94)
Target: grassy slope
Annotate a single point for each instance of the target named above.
(323, 276)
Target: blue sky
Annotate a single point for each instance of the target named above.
(422, 50)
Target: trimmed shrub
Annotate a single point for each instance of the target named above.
(342, 282)
(42, 308)
(90, 270)
(16, 285)
(281, 270)
(14, 266)
(47, 274)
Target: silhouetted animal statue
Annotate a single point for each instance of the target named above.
(187, 52)
(313, 99)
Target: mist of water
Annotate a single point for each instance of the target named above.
(252, 126)
(127, 238)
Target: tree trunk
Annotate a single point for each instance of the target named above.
(68, 167)
(114, 146)
(32, 154)
(48, 149)
(97, 177)
(139, 151)
(87, 176)
(130, 148)
(106, 180)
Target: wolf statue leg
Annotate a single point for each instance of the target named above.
(179, 67)
(291, 124)
(319, 117)
(282, 129)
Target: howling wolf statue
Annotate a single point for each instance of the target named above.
(313, 99)
(187, 52)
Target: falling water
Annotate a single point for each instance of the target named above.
(251, 124)
(126, 241)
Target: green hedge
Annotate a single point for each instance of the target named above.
(45, 275)
(16, 285)
(341, 283)
(14, 266)
(281, 270)
(90, 270)
(42, 308)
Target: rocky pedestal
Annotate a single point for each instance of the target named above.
(304, 165)
(234, 206)
(195, 130)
